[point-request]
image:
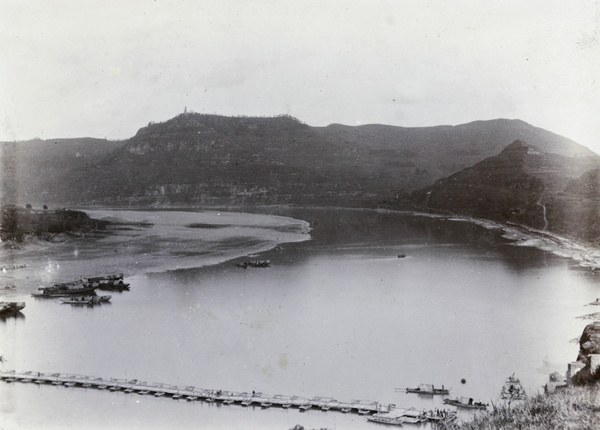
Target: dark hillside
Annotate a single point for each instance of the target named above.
(196, 159)
(523, 185)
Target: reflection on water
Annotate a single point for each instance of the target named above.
(14, 316)
(337, 316)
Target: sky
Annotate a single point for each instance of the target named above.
(106, 68)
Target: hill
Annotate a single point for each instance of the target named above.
(195, 159)
(524, 185)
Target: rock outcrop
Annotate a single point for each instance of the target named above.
(589, 355)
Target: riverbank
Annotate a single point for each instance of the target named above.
(586, 255)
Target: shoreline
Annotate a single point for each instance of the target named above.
(583, 254)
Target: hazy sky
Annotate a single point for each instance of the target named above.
(106, 68)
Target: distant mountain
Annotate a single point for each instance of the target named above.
(32, 171)
(524, 185)
(195, 159)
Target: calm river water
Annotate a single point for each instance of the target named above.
(337, 314)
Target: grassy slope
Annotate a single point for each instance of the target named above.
(572, 408)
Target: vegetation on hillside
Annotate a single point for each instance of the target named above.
(196, 159)
(522, 185)
(569, 408)
(17, 222)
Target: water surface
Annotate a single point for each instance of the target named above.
(339, 315)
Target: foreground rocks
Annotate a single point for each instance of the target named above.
(586, 369)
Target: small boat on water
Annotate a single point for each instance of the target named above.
(107, 282)
(115, 277)
(391, 421)
(97, 299)
(428, 389)
(112, 285)
(86, 300)
(254, 263)
(10, 308)
(77, 301)
(466, 403)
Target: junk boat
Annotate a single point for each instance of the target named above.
(254, 263)
(428, 389)
(8, 308)
(466, 403)
(109, 282)
(118, 276)
(66, 289)
(112, 285)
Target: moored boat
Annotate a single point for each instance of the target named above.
(115, 277)
(8, 308)
(466, 403)
(392, 421)
(254, 263)
(77, 301)
(428, 389)
(98, 299)
(112, 285)
(67, 289)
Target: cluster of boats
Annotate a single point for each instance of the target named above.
(83, 291)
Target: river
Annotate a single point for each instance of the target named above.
(355, 304)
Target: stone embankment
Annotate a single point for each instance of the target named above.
(587, 366)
